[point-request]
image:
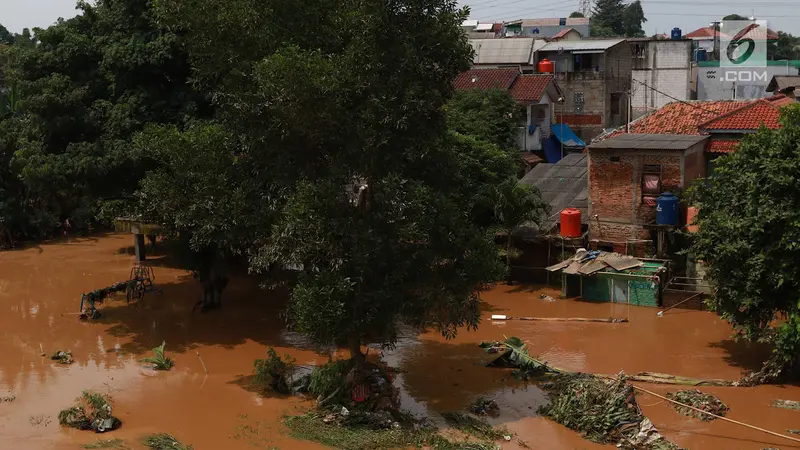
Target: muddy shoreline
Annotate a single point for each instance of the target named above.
(40, 288)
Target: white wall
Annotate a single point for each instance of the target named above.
(711, 84)
(667, 73)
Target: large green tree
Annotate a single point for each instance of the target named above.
(607, 18)
(5, 36)
(749, 230)
(331, 125)
(633, 19)
(786, 46)
(89, 84)
(491, 115)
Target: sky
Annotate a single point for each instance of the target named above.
(662, 15)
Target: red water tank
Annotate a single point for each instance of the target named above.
(571, 222)
(546, 66)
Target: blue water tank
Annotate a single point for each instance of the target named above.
(676, 34)
(667, 209)
(701, 54)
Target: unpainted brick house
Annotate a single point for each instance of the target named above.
(627, 173)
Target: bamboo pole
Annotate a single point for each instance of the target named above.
(569, 319)
(661, 313)
(716, 416)
(201, 361)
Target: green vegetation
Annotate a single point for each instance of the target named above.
(94, 411)
(474, 426)
(615, 18)
(274, 373)
(749, 222)
(311, 427)
(114, 444)
(699, 400)
(328, 381)
(163, 441)
(159, 361)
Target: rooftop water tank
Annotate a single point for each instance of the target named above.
(667, 209)
(676, 34)
(546, 66)
(571, 223)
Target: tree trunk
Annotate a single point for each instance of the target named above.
(508, 257)
(354, 344)
(213, 278)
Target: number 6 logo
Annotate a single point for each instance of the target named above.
(734, 45)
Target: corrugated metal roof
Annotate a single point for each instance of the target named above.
(503, 51)
(562, 185)
(581, 46)
(484, 26)
(649, 142)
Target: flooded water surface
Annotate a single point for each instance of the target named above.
(40, 290)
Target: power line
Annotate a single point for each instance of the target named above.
(674, 98)
(567, 4)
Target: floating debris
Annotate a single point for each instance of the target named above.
(63, 357)
(793, 431)
(164, 441)
(8, 399)
(547, 298)
(485, 407)
(699, 400)
(787, 404)
(605, 411)
(113, 444)
(92, 413)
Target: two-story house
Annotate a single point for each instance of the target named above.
(595, 77)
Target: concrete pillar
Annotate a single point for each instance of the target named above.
(139, 247)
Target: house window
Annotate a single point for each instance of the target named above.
(651, 183)
(577, 102)
(638, 51)
(582, 62)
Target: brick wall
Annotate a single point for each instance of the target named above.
(615, 195)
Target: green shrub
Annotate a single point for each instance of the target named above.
(274, 373)
(159, 361)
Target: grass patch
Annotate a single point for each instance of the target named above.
(114, 444)
(159, 360)
(474, 426)
(310, 427)
(164, 441)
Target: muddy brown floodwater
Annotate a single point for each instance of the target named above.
(40, 288)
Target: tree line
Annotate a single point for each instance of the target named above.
(319, 135)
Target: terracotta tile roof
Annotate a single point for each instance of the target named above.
(683, 117)
(747, 117)
(530, 88)
(705, 32)
(563, 33)
(722, 146)
(486, 79)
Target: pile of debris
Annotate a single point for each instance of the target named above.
(62, 357)
(588, 262)
(701, 401)
(485, 407)
(603, 408)
(93, 412)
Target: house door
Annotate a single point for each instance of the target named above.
(619, 290)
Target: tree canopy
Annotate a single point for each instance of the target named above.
(734, 17)
(5, 36)
(615, 18)
(749, 229)
(330, 125)
(786, 46)
(575, 14)
(86, 88)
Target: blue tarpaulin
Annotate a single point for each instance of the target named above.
(566, 136)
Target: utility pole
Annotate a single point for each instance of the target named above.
(715, 27)
(585, 7)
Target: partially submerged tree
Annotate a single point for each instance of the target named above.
(517, 205)
(341, 146)
(749, 229)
